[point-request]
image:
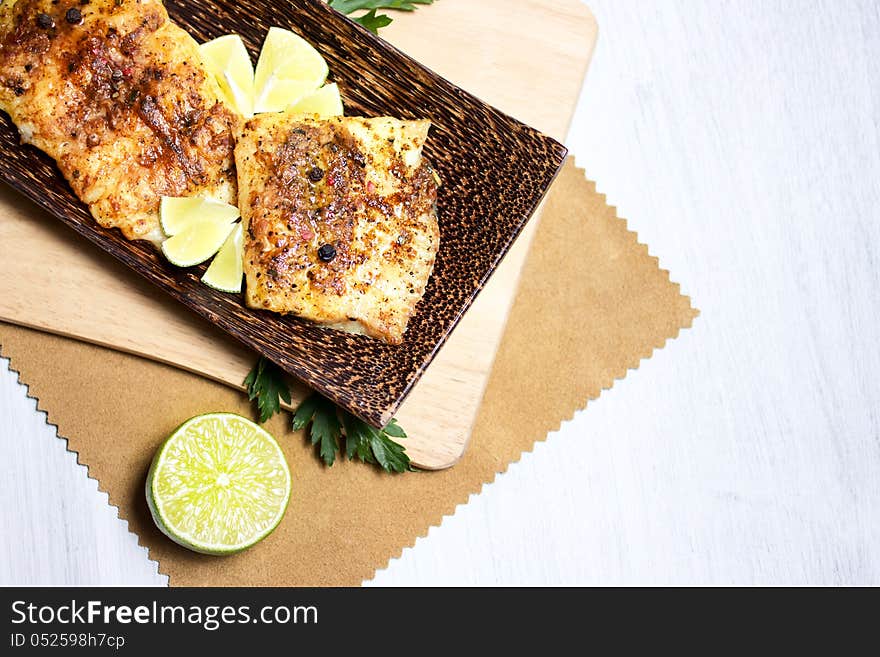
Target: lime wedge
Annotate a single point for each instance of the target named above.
(325, 103)
(278, 94)
(288, 69)
(225, 271)
(196, 242)
(228, 60)
(176, 213)
(218, 485)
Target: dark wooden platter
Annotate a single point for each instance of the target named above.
(495, 172)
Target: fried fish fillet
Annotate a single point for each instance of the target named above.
(340, 217)
(119, 97)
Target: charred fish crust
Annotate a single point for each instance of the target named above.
(170, 136)
(120, 95)
(330, 201)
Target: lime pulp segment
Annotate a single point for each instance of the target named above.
(176, 213)
(289, 68)
(228, 60)
(324, 103)
(226, 269)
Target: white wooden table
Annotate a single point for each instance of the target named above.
(741, 140)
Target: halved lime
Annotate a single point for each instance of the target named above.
(176, 213)
(325, 103)
(288, 69)
(225, 271)
(197, 242)
(218, 485)
(228, 60)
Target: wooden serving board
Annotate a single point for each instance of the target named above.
(528, 58)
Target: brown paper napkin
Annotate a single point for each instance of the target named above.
(592, 304)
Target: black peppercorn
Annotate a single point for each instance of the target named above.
(327, 252)
(73, 16)
(316, 174)
(45, 21)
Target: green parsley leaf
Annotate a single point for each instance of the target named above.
(395, 430)
(349, 6)
(374, 446)
(266, 384)
(333, 429)
(357, 441)
(305, 412)
(326, 430)
(391, 455)
(371, 20)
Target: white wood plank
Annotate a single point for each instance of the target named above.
(741, 140)
(56, 527)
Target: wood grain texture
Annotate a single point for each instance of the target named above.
(495, 170)
(51, 280)
(741, 141)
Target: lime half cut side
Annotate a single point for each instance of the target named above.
(219, 484)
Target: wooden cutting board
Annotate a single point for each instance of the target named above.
(528, 58)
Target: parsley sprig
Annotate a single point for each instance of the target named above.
(372, 20)
(331, 429)
(266, 385)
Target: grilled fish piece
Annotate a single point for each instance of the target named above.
(340, 219)
(119, 97)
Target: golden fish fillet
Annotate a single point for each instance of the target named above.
(119, 97)
(340, 218)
